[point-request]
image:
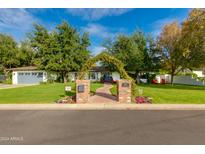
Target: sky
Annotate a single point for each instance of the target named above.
(99, 23)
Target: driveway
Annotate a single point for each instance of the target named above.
(102, 127)
(8, 86)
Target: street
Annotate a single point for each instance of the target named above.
(102, 127)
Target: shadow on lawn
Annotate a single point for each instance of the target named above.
(69, 93)
(175, 86)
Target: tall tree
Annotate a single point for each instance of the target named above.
(171, 54)
(152, 56)
(26, 54)
(193, 39)
(61, 51)
(8, 52)
(132, 51)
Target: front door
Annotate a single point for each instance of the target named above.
(107, 77)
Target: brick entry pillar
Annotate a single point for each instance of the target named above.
(82, 91)
(124, 91)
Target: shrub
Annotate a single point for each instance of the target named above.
(8, 81)
(143, 100)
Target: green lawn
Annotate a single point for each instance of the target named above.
(167, 94)
(44, 93)
(49, 93)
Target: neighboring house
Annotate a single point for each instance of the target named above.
(183, 79)
(27, 75)
(199, 73)
(31, 75)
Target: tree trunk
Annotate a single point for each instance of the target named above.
(172, 78)
(65, 79)
(137, 76)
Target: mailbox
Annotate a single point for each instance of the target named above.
(81, 88)
(125, 84)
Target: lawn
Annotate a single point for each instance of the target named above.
(44, 93)
(49, 93)
(167, 94)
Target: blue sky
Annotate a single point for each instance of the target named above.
(100, 23)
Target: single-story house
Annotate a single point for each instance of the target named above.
(31, 75)
(28, 75)
(183, 79)
(96, 73)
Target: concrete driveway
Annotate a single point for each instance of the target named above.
(102, 127)
(8, 86)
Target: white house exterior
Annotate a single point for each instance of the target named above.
(183, 79)
(165, 77)
(31, 75)
(199, 73)
(28, 75)
(95, 74)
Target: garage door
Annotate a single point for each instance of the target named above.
(30, 78)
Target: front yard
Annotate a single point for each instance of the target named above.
(45, 93)
(49, 93)
(167, 94)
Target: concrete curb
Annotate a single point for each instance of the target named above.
(102, 107)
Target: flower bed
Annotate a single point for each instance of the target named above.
(143, 100)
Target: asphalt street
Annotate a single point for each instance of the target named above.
(102, 127)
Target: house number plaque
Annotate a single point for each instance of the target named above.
(125, 84)
(81, 88)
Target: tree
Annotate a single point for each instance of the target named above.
(193, 39)
(8, 52)
(26, 54)
(170, 51)
(61, 51)
(152, 59)
(131, 50)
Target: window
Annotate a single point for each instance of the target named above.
(92, 75)
(40, 74)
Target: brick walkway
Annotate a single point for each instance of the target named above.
(103, 95)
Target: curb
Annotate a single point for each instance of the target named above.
(102, 107)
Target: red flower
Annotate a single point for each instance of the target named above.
(140, 99)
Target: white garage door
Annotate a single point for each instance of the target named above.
(30, 77)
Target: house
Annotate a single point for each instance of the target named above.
(96, 73)
(184, 78)
(28, 75)
(31, 75)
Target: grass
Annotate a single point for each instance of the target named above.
(168, 94)
(38, 94)
(49, 93)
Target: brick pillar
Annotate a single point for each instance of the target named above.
(124, 91)
(82, 91)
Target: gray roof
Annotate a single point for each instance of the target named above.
(26, 68)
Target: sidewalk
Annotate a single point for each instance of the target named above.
(102, 106)
(9, 86)
(103, 95)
